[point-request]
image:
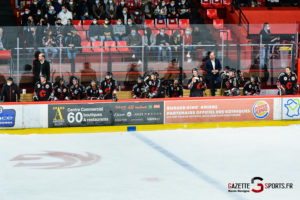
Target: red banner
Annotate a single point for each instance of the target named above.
(218, 110)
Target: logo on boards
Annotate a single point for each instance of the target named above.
(261, 109)
(292, 108)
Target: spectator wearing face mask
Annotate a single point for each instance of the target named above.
(119, 12)
(30, 21)
(99, 10)
(125, 15)
(73, 41)
(94, 31)
(184, 9)
(129, 26)
(34, 7)
(138, 17)
(149, 41)
(147, 9)
(161, 10)
(107, 30)
(173, 10)
(38, 15)
(163, 41)
(119, 31)
(3, 40)
(111, 9)
(10, 91)
(72, 6)
(51, 16)
(64, 15)
(134, 39)
(49, 44)
(188, 40)
(25, 17)
(46, 6)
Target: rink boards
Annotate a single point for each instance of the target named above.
(151, 114)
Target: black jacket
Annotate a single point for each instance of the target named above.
(41, 69)
(209, 68)
(10, 93)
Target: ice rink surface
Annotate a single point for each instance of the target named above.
(159, 165)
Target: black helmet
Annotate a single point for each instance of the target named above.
(109, 74)
(43, 75)
(10, 79)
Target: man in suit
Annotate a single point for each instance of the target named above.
(42, 67)
(213, 68)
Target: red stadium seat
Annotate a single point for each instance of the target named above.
(97, 44)
(122, 46)
(155, 2)
(212, 13)
(110, 46)
(5, 54)
(86, 24)
(149, 23)
(169, 32)
(77, 25)
(223, 35)
(101, 21)
(155, 32)
(117, 2)
(218, 23)
(217, 3)
(86, 44)
(206, 3)
(172, 24)
(131, 4)
(113, 21)
(141, 32)
(82, 35)
(184, 23)
(160, 23)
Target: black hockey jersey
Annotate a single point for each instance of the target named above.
(108, 88)
(77, 92)
(197, 87)
(175, 91)
(252, 88)
(155, 89)
(232, 87)
(138, 91)
(42, 92)
(287, 83)
(60, 93)
(92, 92)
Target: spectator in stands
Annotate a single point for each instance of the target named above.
(51, 16)
(134, 39)
(172, 10)
(10, 91)
(34, 7)
(41, 30)
(85, 12)
(149, 40)
(64, 15)
(119, 12)
(111, 9)
(67, 30)
(31, 40)
(41, 67)
(119, 31)
(129, 26)
(49, 44)
(3, 40)
(161, 10)
(107, 30)
(94, 29)
(184, 9)
(73, 42)
(46, 6)
(213, 68)
(25, 17)
(138, 17)
(176, 40)
(72, 6)
(125, 16)
(188, 40)
(99, 10)
(38, 15)
(147, 9)
(58, 28)
(163, 41)
(30, 21)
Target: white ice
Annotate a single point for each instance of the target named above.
(158, 165)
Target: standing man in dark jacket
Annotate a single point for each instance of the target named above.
(10, 91)
(42, 67)
(213, 68)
